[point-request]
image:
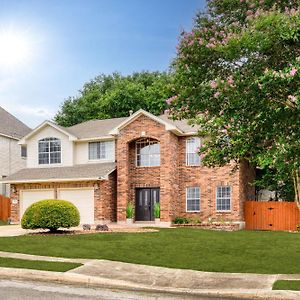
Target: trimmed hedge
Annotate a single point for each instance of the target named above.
(50, 214)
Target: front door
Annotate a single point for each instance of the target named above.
(144, 205)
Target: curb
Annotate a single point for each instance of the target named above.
(78, 279)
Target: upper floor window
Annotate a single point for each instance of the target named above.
(23, 151)
(101, 150)
(223, 198)
(49, 151)
(192, 156)
(147, 153)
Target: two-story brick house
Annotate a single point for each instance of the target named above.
(12, 155)
(102, 165)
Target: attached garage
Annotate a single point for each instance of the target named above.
(28, 197)
(79, 184)
(83, 199)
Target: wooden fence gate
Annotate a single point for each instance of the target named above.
(4, 208)
(268, 215)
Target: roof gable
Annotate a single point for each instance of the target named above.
(133, 117)
(45, 124)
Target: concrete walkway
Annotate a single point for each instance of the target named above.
(141, 277)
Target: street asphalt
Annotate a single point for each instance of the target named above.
(27, 290)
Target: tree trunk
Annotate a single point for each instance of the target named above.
(296, 180)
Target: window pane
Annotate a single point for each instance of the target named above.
(92, 150)
(192, 157)
(102, 148)
(147, 153)
(193, 199)
(99, 150)
(23, 151)
(43, 146)
(224, 198)
(43, 158)
(55, 158)
(49, 151)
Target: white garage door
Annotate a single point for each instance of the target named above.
(29, 197)
(83, 199)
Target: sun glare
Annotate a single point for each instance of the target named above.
(15, 48)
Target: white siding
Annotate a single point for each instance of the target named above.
(82, 153)
(10, 159)
(66, 148)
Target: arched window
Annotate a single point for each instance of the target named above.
(49, 151)
(147, 153)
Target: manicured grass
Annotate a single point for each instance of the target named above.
(3, 223)
(186, 248)
(293, 285)
(37, 264)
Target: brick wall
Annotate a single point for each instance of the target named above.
(131, 177)
(208, 179)
(173, 176)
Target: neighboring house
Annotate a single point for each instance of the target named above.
(12, 155)
(102, 165)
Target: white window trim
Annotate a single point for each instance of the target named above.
(136, 156)
(224, 211)
(49, 164)
(186, 200)
(186, 153)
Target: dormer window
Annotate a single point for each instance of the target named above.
(147, 153)
(49, 151)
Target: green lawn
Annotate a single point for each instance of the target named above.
(37, 265)
(2, 223)
(187, 248)
(293, 285)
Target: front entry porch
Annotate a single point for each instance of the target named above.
(145, 200)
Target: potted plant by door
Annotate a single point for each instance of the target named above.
(157, 212)
(129, 213)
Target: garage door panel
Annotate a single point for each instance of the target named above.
(83, 199)
(29, 197)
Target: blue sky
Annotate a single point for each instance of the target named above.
(72, 41)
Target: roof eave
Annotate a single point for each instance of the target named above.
(105, 137)
(10, 136)
(52, 180)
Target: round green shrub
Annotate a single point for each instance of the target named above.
(50, 214)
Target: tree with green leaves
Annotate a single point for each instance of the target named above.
(112, 96)
(237, 76)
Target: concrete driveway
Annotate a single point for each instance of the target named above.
(12, 230)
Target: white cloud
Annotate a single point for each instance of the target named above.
(34, 112)
(30, 115)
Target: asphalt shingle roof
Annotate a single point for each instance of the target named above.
(84, 171)
(11, 126)
(98, 128)
(94, 128)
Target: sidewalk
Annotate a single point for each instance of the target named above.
(148, 278)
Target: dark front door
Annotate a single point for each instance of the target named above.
(144, 205)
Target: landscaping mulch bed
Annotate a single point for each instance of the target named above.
(211, 226)
(76, 232)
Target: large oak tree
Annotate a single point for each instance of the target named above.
(112, 96)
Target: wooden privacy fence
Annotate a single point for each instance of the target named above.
(268, 215)
(4, 208)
